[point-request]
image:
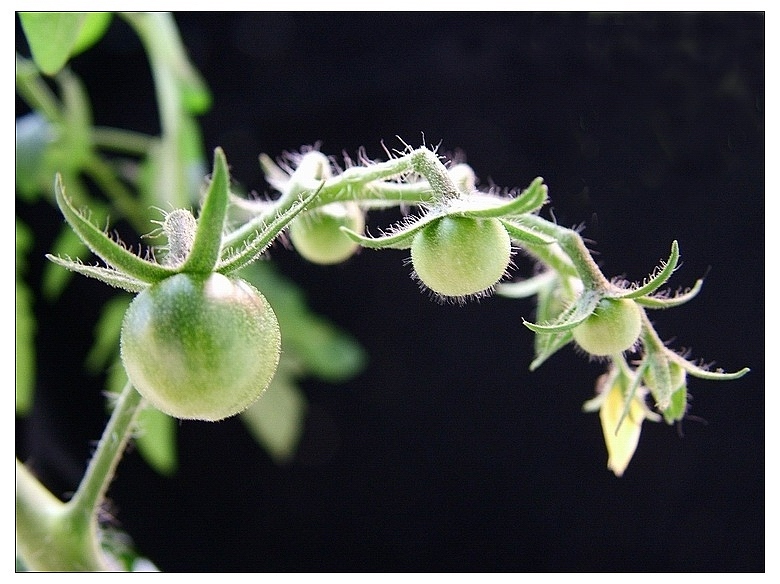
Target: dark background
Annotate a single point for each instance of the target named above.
(446, 454)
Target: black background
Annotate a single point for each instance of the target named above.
(446, 454)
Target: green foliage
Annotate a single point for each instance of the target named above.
(55, 37)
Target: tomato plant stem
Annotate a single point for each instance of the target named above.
(43, 522)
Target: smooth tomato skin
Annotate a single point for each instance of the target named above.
(461, 256)
(613, 327)
(317, 237)
(200, 347)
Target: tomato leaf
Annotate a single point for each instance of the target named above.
(25, 326)
(277, 419)
(55, 37)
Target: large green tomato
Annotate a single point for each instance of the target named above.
(201, 347)
(461, 256)
(613, 327)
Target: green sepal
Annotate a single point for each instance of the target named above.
(255, 247)
(659, 277)
(702, 373)
(206, 248)
(400, 238)
(678, 404)
(530, 200)
(656, 302)
(629, 392)
(547, 345)
(528, 287)
(657, 364)
(573, 316)
(108, 276)
(105, 248)
(524, 234)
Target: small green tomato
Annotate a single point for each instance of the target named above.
(201, 347)
(317, 237)
(461, 256)
(613, 327)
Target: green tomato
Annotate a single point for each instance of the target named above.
(461, 256)
(317, 237)
(613, 327)
(200, 346)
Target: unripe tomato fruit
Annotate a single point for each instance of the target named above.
(200, 347)
(316, 235)
(613, 327)
(461, 256)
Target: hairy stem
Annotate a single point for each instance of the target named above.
(53, 536)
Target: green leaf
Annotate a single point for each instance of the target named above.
(52, 37)
(92, 30)
(277, 419)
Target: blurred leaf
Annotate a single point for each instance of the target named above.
(276, 420)
(106, 346)
(25, 349)
(34, 135)
(55, 278)
(52, 37)
(55, 37)
(25, 325)
(77, 131)
(156, 440)
(324, 350)
(92, 30)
